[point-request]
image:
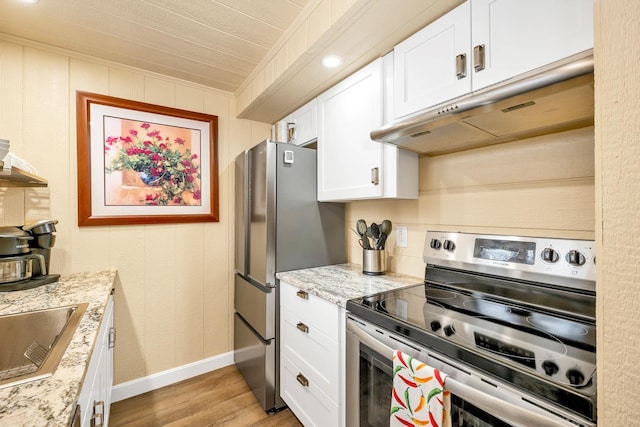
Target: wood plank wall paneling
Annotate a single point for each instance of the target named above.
(542, 186)
(174, 275)
(174, 301)
(617, 53)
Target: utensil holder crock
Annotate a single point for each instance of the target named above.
(373, 262)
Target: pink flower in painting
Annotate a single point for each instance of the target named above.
(170, 171)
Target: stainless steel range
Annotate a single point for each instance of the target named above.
(510, 319)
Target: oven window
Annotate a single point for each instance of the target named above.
(464, 414)
(375, 396)
(375, 388)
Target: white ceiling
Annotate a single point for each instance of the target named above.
(216, 43)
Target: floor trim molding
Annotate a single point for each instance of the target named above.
(170, 376)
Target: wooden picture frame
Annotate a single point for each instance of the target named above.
(141, 163)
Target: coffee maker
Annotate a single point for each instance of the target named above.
(25, 255)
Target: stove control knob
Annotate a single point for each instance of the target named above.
(550, 368)
(575, 377)
(448, 330)
(435, 244)
(575, 258)
(550, 255)
(435, 325)
(449, 245)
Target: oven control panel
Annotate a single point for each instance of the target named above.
(565, 262)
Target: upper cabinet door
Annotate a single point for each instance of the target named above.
(303, 123)
(349, 162)
(432, 66)
(519, 36)
(484, 42)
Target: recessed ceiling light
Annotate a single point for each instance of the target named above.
(29, 1)
(331, 61)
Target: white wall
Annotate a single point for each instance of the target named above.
(175, 305)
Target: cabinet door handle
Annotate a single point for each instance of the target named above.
(478, 57)
(461, 66)
(97, 415)
(302, 380)
(302, 294)
(304, 328)
(291, 132)
(112, 337)
(375, 176)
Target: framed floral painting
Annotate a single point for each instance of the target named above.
(140, 163)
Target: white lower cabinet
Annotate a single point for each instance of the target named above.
(95, 395)
(312, 333)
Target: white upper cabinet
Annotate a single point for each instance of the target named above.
(483, 42)
(350, 165)
(303, 123)
(425, 64)
(523, 35)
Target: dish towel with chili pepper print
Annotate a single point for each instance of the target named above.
(418, 396)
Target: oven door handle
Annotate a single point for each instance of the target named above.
(484, 401)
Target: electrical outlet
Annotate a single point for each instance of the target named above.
(402, 240)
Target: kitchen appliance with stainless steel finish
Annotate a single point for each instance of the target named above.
(510, 317)
(25, 254)
(280, 226)
(553, 98)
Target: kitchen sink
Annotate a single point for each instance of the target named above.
(32, 343)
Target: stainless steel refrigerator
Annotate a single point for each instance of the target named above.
(280, 226)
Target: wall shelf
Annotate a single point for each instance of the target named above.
(16, 177)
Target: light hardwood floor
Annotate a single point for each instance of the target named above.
(219, 398)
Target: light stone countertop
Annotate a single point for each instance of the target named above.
(342, 282)
(51, 401)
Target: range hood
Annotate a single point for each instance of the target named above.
(552, 99)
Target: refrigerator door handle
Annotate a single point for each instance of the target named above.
(266, 287)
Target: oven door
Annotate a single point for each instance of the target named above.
(475, 401)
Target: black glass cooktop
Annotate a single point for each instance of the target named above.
(542, 312)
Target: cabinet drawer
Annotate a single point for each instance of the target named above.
(305, 398)
(312, 310)
(311, 350)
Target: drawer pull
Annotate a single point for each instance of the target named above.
(302, 294)
(304, 328)
(302, 380)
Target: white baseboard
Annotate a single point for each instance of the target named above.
(170, 376)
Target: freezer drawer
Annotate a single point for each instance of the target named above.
(257, 305)
(256, 361)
